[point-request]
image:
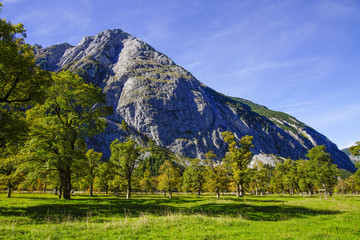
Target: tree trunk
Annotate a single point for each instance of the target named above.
(106, 189)
(91, 183)
(237, 190)
(128, 188)
(56, 191)
(91, 187)
(199, 190)
(325, 193)
(261, 192)
(44, 188)
(217, 193)
(65, 177)
(257, 190)
(164, 193)
(241, 190)
(310, 193)
(60, 191)
(170, 194)
(9, 190)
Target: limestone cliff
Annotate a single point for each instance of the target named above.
(160, 100)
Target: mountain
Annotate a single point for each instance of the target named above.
(162, 101)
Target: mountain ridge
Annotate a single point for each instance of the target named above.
(166, 103)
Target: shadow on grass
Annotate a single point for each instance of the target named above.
(55, 210)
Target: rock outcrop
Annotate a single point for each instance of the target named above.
(160, 100)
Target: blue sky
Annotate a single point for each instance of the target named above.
(300, 57)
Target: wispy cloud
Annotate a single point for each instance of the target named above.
(336, 9)
(336, 116)
(12, 1)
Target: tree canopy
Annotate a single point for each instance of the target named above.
(126, 157)
(238, 158)
(22, 85)
(73, 110)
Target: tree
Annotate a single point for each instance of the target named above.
(238, 158)
(354, 183)
(93, 162)
(148, 182)
(169, 178)
(295, 174)
(155, 160)
(72, 111)
(10, 174)
(104, 175)
(193, 177)
(279, 181)
(326, 172)
(126, 157)
(342, 186)
(261, 176)
(22, 83)
(216, 175)
(355, 150)
(308, 180)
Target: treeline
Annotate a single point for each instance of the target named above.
(129, 171)
(45, 119)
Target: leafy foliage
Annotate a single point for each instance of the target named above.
(72, 111)
(22, 84)
(194, 177)
(216, 174)
(238, 158)
(126, 157)
(169, 178)
(355, 150)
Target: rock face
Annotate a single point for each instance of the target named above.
(160, 100)
(353, 158)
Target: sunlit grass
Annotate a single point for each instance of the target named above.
(43, 216)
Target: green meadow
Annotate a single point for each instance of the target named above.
(43, 216)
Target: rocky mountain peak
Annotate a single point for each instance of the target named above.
(162, 101)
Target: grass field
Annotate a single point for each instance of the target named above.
(43, 216)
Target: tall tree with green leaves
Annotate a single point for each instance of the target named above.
(125, 156)
(326, 172)
(238, 157)
(355, 150)
(22, 83)
(10, 172)
(193, 177)
(104, 175)
(216, 174)
(307, 182)
(355, 180)
(169, 178)
(73, 110)
(148, 181)
(93, 161)
(260, 177)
